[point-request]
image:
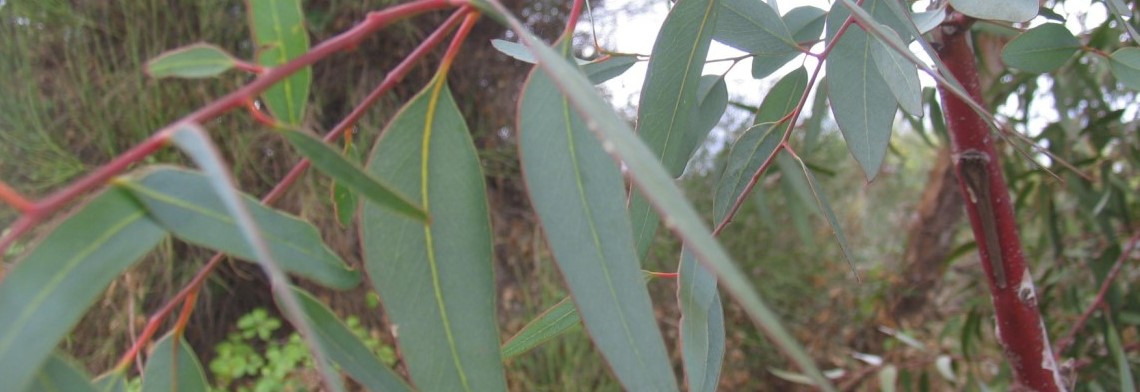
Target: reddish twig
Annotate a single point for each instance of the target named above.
(349, 39)
(1064, 343)
(15, 199)
(394, 76)
(791, 119)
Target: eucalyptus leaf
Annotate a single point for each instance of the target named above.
(173, 366)
(61, 374)
(436, 281)
(1126, 67)
(47, 291)
(653, 179)
(1041, 49)
(900, 74)
(278, 28)
(1016, 11)
(579, 196)
(861, 102)
(194, 61)
(184, 203)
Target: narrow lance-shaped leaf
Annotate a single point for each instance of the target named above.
(712, 101)
(669, 99)
(194, 61)
(702, 316)
(184, 203)
(192, 139)
(832, 221)
(805, 24)
(350, 175)
(1041, 49)
(861, 102)
(753, 27)
(899, 73)
(279, 31)
(652, 178)
(172, 366)
(579, 196)
(61, 374)
(346, 349)
(436, 281)
(782, 99)
(608, 68)
(553, 322)
(701, 324)
(50, 288)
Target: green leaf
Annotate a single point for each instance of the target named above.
(61, 374)
(194, 61)
(861, 102)
(49, 289)
(782, 99)
(352, 176)
(278, 28)
(608, 68)
(805, 23)
(751, 26)
(345, 202)
(184, 202)
(1041, 49)
(1016, 11)
(436, 281)
(651, 177)
(515, 50)
(550, 324)
(1123, 366)
(701, 324)
(747, 154)
(579, 196)
(832, 221)
(347, 350)
(900, 74)
(192, 139)
(1126, 67)
(171, 368)
(112, 381)
(712, 101)
(928, 20)
(669, 99)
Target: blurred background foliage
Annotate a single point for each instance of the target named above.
(74, 95)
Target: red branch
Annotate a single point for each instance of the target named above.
(1020, 329)
(191, 289)
(373, 22)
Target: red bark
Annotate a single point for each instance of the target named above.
(1020, 329)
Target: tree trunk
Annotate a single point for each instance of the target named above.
(931, 240)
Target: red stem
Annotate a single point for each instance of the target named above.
(1064, 343)
(15, 199)
(1020, 329)
(394, 76)
(374, 21)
